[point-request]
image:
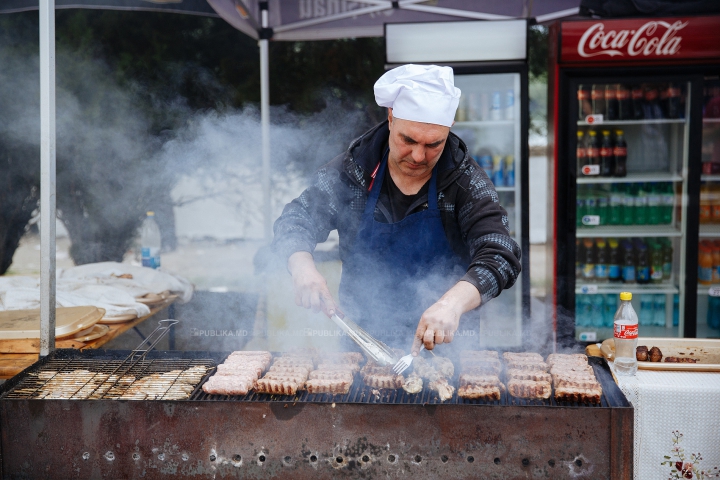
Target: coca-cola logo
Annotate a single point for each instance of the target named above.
(655, 37)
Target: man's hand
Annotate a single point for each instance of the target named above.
(311, 289)
(439, 323)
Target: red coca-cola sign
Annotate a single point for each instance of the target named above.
(640, 40)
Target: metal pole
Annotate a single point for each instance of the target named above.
(47, 177)
(265, 126)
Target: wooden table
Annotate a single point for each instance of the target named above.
(13, 363)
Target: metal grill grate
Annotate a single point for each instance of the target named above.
(82, 378)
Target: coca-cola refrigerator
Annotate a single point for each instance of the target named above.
(492, 119)
(635, 176)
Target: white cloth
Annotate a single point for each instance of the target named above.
(96, 284)
(665, 402)
(420, 93)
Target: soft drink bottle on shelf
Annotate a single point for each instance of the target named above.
(705, 203)
(611, 102)
(592, 148)
(653, 204)
(509, 171)
(615, 201)
(628, 208)
(589, 264)
(579, 259)
(624, 103)
(601, 263)
(584, 101)
(656, 262)
(673, 109)
(716, 261)
(641, 203)
(668, 202)
(705, 264)
(583, 317)
(150, 242)
(598, 308)
(638, 95)
(667, 258)
(611, 305)
(713, 313)
(614, 270)
(628, 255)
(625, 333)
(591, 202)
(676, 310)
(659, 302)
(580, 152)
(581, 205)
(646, 309)
(602, 198)
(607, 160)
(643, 262)
(620, 154)
(598, 99)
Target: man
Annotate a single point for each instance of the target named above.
(423, 239)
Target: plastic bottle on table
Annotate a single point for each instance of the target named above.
(150, 242)
(659, 302)
(625, 333)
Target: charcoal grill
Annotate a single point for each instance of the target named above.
(364, 434)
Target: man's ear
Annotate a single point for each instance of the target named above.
(390, 117)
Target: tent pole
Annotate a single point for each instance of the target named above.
(265, 125)
(47, 177)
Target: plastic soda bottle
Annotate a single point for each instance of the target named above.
(716, 261)
(611, 304)
(601, 263)
(589, 264)
(705, 264)
(628, 269)
(579, 258)
(667, 258)
(150, 242)
(646, 309)
(654, 202)
(628, 210)
(615, 205)
(601, 200)
(656, 262)
(713, 313)
(598, 309)
(668, 203)
(659, 309)
(641, 204)
(614, 274)
(643, 262)
(625, 333)
(581, 206)
(510, 171)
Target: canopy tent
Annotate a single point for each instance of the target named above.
(263, 20)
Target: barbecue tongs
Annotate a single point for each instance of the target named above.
(374, 348)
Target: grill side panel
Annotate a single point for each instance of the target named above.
(161, 439)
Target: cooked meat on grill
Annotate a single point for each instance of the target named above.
(573, 369)
(375, 370)
(331, 374)
(473, 379)
(522, 364)
(334, 386)
(570, 393)
(353, 367)
(341, 357)
(523, 356)
(680, 360)
(443, 388)
(655, 355)
(226, 385)
(298, 378)
(535, 375)
(412, 383)
(251, 356)
(236, 369)
(575, 382)
(443, 366)
(383, 380)
(294, 362)
(529, 389)
(290, 369)
(641, 353)
(489, 368)
(477, 392)
(279, 387)
(571, 358)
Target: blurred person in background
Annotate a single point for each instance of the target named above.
(423, 238)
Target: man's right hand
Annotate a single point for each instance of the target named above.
(311, 289)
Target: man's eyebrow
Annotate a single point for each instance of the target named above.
(408, 139)
(412, 140)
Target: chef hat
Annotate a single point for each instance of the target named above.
(421, 93)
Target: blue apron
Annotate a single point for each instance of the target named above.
(395, 271)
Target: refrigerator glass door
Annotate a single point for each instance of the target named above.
(488, 120)
(631, 156)
(708, 294)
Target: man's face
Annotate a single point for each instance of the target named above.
(415, 147)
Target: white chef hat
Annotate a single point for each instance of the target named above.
(421, 93)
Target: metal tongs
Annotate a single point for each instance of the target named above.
(374, 348)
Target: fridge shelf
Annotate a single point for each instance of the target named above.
(709, 230)
(632, 122)
(603, 288)
(634, 178)
(625, 231)
(711, 120)
(710, 178)
(705, 289)
(484, 123)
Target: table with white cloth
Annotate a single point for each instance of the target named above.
(677, 423)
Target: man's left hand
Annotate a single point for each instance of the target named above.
(439, 323)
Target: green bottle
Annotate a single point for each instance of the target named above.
(615, 205)
(602, 200)
(656, 262)
(667, 258)
(581, 206)
(641, 207)
(628, 210)
(668, 203)
(654, 200)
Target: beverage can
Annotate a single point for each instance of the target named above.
(496, 106)
(498, 174)
(486, 163)
(510, 171)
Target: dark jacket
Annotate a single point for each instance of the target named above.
(475, 224)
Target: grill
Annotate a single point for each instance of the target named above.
(364, 433)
